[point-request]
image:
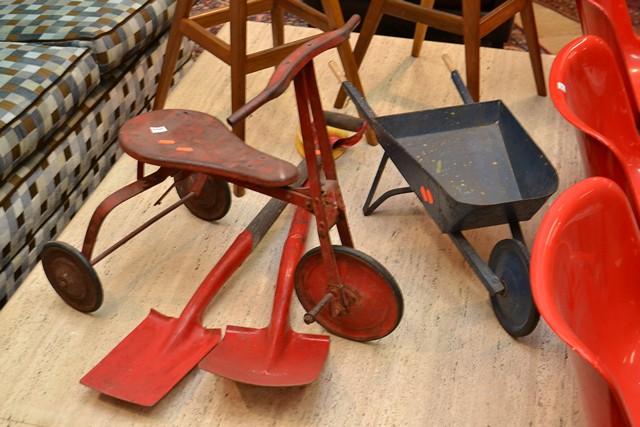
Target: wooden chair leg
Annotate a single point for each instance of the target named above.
(531, 34)
(171, 54)
(368, 29)
(471, 17)
(238, 23)
(277, 23)
(421, 31)
(333, 11)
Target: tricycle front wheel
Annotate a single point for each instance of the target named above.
(72, 276)
(212, 203)
(376, 306)
(514, 307)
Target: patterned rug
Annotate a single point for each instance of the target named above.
(568, 9)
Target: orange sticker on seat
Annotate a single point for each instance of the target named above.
(166, 142)
(426, 194)
(184, 149)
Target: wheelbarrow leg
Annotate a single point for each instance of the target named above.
(482, 270)
(506, 277)
(369, 207)
(516, 232)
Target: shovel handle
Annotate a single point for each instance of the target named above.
(235, 255)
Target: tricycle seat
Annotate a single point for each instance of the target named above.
(198, 142)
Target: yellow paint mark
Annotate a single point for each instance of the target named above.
(184, 149)
(166, 142)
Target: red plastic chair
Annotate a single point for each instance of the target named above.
(585, 267)
(610, 20)
(587, 89)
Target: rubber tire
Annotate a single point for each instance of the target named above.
(514, 307)
(213, 203)
(349, 255)
(80, 269)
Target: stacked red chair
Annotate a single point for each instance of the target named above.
(584, 269)
(610, 20)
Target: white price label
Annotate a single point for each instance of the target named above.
(158, 129)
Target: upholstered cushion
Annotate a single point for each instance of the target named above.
(42, 194)
(112, 29)
(40, 87)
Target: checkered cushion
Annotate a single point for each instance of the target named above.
(41, 196)
(40, 86)
(112, 29)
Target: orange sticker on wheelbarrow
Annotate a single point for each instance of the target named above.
(184, 149)
(166, 142)
(426, 194)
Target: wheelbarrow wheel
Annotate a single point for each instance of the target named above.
(514, 307)
(378, 304)
(72, 276)
(213, 202)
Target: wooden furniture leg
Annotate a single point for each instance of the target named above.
(335, 18)
(171, 54)
(235, 52)
(471, 17)
(368, 29)
(421, 30)
(277, 23)
(531, 34)
(238, 23)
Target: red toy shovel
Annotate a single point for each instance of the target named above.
(161, 350)
(276, 355)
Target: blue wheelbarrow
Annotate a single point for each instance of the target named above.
(471, 166)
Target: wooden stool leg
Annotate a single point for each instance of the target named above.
(421, 30)
(171, 54)
(531, 34)
(238, 23)
(471, 17)
(334, 17)
(277, 23)
(368, 29)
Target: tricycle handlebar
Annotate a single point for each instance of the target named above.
(292, 64)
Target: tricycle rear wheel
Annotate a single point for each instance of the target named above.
(378, 307)
(514, 307)
(72, 276)
(212, 203)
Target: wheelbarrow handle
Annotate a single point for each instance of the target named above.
(291, 66)
(457, 80)
(363, 107)
(262, 222)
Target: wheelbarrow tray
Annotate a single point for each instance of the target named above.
(471, 165)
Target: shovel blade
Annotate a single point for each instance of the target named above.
(246, 355)
(152, 359)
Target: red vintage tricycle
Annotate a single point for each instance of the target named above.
(347, 292)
